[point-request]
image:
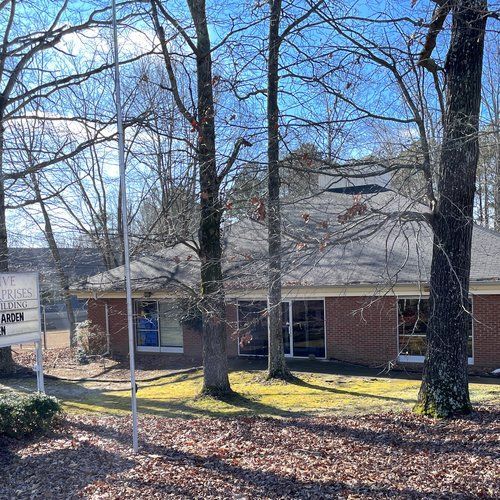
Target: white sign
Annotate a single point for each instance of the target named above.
(19, 308)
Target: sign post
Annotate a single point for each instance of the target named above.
(40, 385)
(20, 320)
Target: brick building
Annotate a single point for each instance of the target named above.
(354, 287)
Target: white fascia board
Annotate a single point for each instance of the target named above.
(399, 290)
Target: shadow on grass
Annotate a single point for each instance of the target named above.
(176, 403)
(78, 396)
(302, 383)
(98, 400)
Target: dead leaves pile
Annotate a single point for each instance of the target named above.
(25, 358)
(378, 456)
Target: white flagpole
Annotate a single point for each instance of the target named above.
(123, 189)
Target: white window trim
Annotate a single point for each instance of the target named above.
(161, 349)
(406, 358)
(146, 348)
(178, 349)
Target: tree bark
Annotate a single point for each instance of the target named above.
(6, 364)
(444, 391)
(480, 200)
(277, 368)
(486, 194)
(496, 186)
(215, 365)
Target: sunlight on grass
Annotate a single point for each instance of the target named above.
(311, 394)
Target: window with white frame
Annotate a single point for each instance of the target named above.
(413, 317)
(158, 327)
(303, 328)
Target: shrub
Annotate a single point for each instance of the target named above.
(81, 357)
(22, 415)
(90, 338)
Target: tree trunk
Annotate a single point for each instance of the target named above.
(6, 364)
(215, 366)
(480, 200)
(444, 391)
(277, 368)
(56, 256)
(486, 193)
(496, 186)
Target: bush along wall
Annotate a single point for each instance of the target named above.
(22, 415)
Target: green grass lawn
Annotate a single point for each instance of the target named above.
(311, 394)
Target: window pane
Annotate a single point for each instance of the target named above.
(412, 328)
(412, 345)
(413, 316)
(308, 328)
(253, 327)
(170, 326)
(147, 323)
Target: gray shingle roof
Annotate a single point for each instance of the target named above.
(375, 247)
(77, 262)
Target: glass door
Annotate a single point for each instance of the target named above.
(308, 328)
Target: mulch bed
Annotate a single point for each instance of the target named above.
(377, 456)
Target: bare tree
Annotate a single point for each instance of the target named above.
(488, 195)
(276, 359)
(215, 374)
(56, 256)
(20, 54)
(444, 391)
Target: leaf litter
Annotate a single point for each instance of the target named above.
(387, 455)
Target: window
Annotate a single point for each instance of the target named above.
(413, 316)
(303, 328)
(147, 324)
(252, 323)
(158, 327)
(308, 323)
(170, 326)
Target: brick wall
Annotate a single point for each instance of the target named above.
(192, 342)
(356, 331)
(486, 311)
(361, 330)
(117, 314)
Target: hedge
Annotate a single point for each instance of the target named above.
(22, 415)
